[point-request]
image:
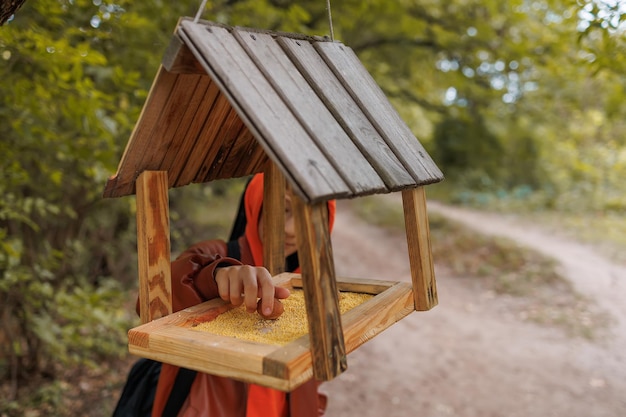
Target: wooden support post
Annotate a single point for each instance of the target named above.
(420, 253)
(153, 246)
(274, 219)
(320, 289)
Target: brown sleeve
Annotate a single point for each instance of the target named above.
(207, 248)
(193, 280)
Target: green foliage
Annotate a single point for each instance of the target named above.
(453, 149)
(64, 109)
(203, 212)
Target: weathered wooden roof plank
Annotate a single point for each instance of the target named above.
(160, 139)
(348, 113)
(207, 136)
(280, 132)
(311, 112)
(230, 162)
(200, 104)
(250, 160)
(230, 131)
(347, 67)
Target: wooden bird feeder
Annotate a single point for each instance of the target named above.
(229, 102)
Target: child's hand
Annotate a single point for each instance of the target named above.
(244, 284)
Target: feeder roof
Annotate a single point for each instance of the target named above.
(227, 100)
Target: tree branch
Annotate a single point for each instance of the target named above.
(8, 8)
(412, 98)
(400, 41)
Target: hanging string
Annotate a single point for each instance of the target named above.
(330, 21)
(200, 10)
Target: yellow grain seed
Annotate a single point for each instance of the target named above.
(292, 324)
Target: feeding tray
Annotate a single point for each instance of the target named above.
(172, 339)
(229, 102)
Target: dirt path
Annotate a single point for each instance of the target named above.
(473, 356)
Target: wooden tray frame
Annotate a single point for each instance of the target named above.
(171, 339)
(324, 350)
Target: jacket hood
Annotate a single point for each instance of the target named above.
(253, 201)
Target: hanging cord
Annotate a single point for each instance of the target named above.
(200, 10)
(330, 21)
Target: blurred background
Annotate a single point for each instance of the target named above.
(520, 103)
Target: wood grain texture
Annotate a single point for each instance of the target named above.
(207, 138)
(185, 139)
(349, 284)
(228, 162)
(191, 139)
(160, 138)
(178, 58)
(348, 113)
(153, 246)
(364, 90)
(320, 289)
(302, 100)
(273, 219)
(171, 339)
(179, 357)
(307, 113)
(292, 362)
(275, 126)
(165, 131)
(225, 139)
(420, 253)
(251, 160)
(389, 307)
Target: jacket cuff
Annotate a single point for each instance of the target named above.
(205, 282)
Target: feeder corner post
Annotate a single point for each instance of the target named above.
(153, 246)
(274, 219)
(419, 246)
(320, 289)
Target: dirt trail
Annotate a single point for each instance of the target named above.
(591, 273)
(473, 355)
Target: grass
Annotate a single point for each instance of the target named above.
(606, 231)
(543, 295)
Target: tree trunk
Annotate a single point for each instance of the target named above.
(8, 9)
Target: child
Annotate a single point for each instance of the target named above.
(215, 268)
